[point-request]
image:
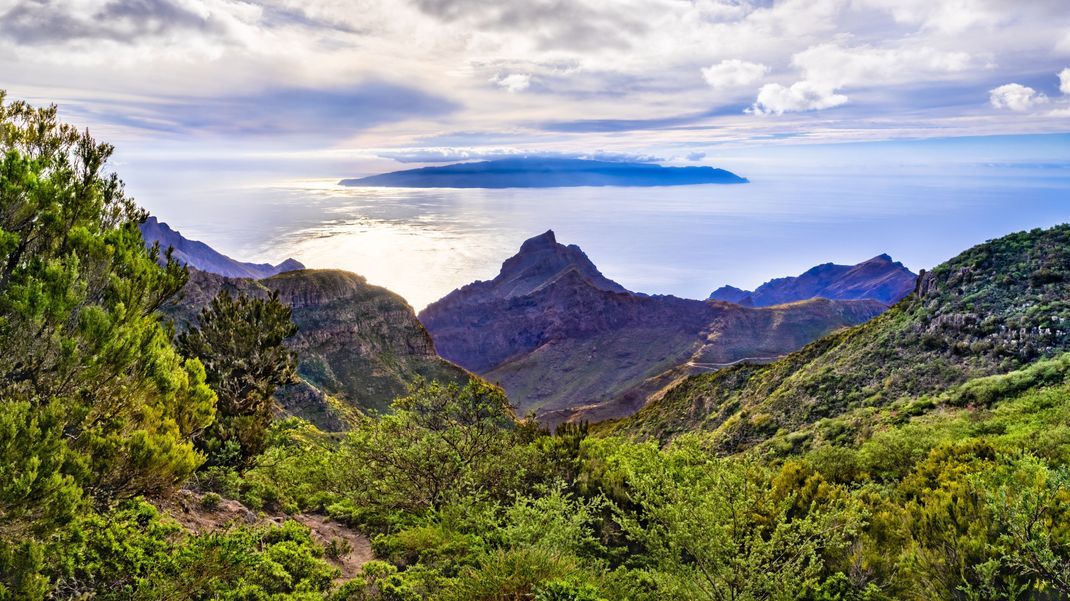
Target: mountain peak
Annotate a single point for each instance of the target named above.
(546, 239)
(542, 260)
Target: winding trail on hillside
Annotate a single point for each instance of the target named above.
(715, 366)
(186, 508)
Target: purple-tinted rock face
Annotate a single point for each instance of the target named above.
(560, 336)
(879, 279)
(205, 258)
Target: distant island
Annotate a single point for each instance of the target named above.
(547, 173)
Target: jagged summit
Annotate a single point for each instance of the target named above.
(880, 278)
(543, 240)
(542, 260)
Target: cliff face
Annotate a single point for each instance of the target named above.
(568, 343)
(199, 255)
(879, 278)
(359, 345)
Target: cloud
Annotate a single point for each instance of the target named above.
(696, 156)
(841, 66)
(775, 99)
(292, 112)
(461, 154)
(1015, 97)
(733, 73)
(514, 82)
(623, 125)
(551, 24)
(44, 21)
(1064, 81)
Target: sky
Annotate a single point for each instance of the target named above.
(913, 127)
(368, 85)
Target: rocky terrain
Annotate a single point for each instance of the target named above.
(568, 343)
(199, 255)
(359, 345)
(879, 278)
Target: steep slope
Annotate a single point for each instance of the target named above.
(199, 255)
(568, 343)
(879, 278)
(994, 308)
(542, 172)
(359, 345)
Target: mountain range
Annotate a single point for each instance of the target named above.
(535, 172)
(992, 309)
(879, 278)
(568, 343)
(205, 258)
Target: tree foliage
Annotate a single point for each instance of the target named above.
(94, 397)
(240, 342)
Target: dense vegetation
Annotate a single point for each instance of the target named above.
(949, 480)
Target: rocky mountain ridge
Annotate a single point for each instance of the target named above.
(879, 278)
(200, 256)
(359, 346)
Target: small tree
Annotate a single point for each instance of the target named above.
(240, 341)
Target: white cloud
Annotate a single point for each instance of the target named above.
(840, 66)
(514, 82)
(733, 73)
(1064, 81)
(775, 99)
(1015, 97)
(696, 156)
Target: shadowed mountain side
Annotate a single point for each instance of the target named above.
(199, 255)
(564, 341)
(359, 345)
(534, 172)
(879, 278)
(991, 310)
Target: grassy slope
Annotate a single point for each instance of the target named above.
(992, 309)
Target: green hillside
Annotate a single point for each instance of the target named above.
(990, 310)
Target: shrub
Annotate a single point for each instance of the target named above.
(211, 501)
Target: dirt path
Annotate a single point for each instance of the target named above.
(185, 507)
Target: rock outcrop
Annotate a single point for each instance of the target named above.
(359, 346)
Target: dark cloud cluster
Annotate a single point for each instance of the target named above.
(555, 24)
(46, 21)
